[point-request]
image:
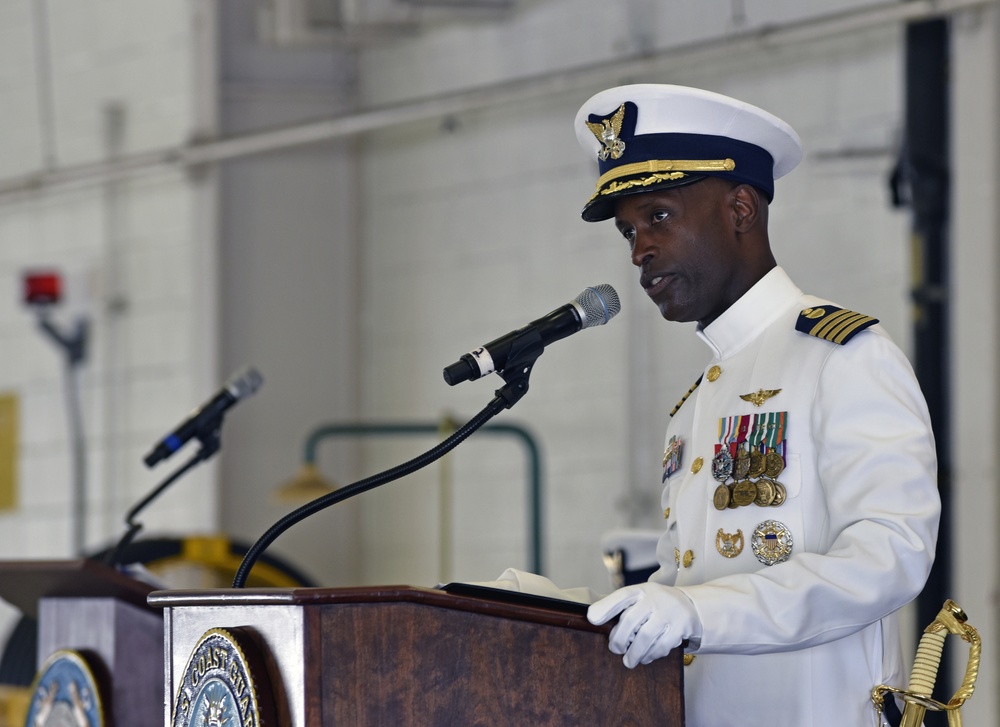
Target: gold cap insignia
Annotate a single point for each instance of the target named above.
(607, 132)
(761, 395)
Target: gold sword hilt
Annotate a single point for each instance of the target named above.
(950, 619)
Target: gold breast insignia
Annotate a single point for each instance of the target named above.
(729, 545)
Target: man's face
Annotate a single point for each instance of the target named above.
(682, 241)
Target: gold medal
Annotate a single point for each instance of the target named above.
(774, 464)
(744, 492)
(729, 545)
(756, 464)
(721, 498)
(774, 461)
(741, 466)
(779, 494)
(732, 502)
(765, 492)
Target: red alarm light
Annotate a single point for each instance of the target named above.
(42, 288)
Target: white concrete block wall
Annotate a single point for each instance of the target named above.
(131, 254)
(19, 92)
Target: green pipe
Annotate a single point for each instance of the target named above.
(402, 428)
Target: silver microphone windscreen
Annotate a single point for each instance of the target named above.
(244, 383)
(597, 305)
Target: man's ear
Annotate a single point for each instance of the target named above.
(746, 204)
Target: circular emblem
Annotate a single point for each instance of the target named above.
(744, 492)
(66, 693)
(766, 492)
(771, 542)
(218, 686)
(721, 497)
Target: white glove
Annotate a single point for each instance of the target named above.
(654, 620)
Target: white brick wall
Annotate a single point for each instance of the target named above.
(139, 240)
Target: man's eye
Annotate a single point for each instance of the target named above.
(660, 215)
(629, 234)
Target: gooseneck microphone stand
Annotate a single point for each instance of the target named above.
(210, 438)
(524, 351)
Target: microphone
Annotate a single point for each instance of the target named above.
(593, 307)
(244, 383)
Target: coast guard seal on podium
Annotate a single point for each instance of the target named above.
(220, 684)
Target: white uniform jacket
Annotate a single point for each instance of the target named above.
(803, 641)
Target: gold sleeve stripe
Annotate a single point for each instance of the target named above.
(830, 326)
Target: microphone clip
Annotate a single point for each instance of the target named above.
(209, 436)
(524, 351)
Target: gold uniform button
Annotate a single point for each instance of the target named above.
(696, 465)
(688, 659)
(666, 513)
(688, 558)
(714, 373)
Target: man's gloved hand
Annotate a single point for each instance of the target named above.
(654, 620)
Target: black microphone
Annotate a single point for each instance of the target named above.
(593, 307)
(244, 383)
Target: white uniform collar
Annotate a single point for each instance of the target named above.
(747, 318)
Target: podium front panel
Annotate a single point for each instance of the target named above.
(421, 657)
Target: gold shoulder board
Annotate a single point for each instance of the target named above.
(832, 323)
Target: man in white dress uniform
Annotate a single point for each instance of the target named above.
(800, 493)
(800, 499)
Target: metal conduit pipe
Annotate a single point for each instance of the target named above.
(215, 151)
(413, 428)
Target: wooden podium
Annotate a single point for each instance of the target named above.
(99, 618)
(318, 657)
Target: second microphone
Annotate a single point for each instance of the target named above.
(595, 306)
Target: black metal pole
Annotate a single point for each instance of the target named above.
(928, 174)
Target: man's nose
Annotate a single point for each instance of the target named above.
(642, 250)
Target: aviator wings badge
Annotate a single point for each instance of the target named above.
(761, 395)
(607, 132)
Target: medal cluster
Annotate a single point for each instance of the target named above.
(748, 460)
